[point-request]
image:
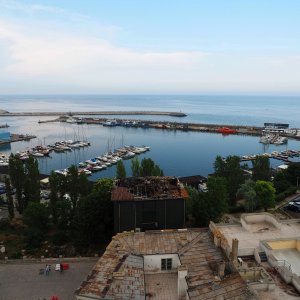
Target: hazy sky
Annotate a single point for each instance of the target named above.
(150, 46)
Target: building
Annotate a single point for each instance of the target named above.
(275, 127)
(148, 203)
(5, 137)
(267, 240)
(166, 264)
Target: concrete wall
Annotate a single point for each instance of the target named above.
(248, 219)
(152, 263)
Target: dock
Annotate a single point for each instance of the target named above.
(282, 155)
(17, 138)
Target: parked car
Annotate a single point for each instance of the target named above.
(293, 206)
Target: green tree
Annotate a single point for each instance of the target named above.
(281, 182)
(93, 222)
(54, 193)
(135, 167)
(261, 168)
(85, 186)
(230, 169)
(217, 196)
(265, 193)
(149, 168)
(293, 174)
(103, 185)
(10, 202)
(197, 209)
(121, 172)
(17, 176)
(247, 190)
(201, 208)
(36, 216)
(73, 185)
(32, 181)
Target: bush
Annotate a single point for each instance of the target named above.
(33, 238)
(288, 192)
(60, 238)
(236, 209)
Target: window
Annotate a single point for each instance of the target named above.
(166, 263)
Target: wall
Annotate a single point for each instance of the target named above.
(152, 263)
(248, 219)
(282, 244)
(167, 214)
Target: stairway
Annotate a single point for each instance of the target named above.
(263, 256)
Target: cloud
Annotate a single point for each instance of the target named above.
(85, 60)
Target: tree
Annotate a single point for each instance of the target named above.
(135, 167)
(231, 170)
(121, 172)
(103, 185)
(17, 176)
(32, 181)
(265, 194)
(73, 185)
(10, 202)
(205, 207)
(93, 221)
(54, 197)
(247, 190)
(36, 216)
(261, 168)
(149, 168)
(197, 209)
(293, 173)
(217, 196)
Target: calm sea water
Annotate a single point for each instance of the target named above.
(178, 153)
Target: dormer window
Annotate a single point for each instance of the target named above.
(166, 264)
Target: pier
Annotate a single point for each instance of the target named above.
(92, 113)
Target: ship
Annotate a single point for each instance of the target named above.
(226, 130)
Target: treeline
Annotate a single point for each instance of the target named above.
(235, 188)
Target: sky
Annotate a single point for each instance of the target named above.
(150, 47)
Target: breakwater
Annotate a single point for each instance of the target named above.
(91, 113)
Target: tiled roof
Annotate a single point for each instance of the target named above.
(119, 272)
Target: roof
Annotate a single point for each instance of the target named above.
(148, 188)
(196, 252)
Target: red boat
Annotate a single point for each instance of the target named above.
(226, 130)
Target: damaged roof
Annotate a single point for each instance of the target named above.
(148, 188)
(119, 273)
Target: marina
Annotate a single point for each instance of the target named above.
(181, 147)
(106, 160)
(279, 155)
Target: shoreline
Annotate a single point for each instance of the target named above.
(93, 113)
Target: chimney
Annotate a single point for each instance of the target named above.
(234, 249)
(221, 269)
(182, 285)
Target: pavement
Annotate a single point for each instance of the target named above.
(23, 281)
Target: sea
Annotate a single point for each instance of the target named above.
(178, 153)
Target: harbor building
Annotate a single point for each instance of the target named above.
(4, 137)
(166, 264)
(144, 203)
